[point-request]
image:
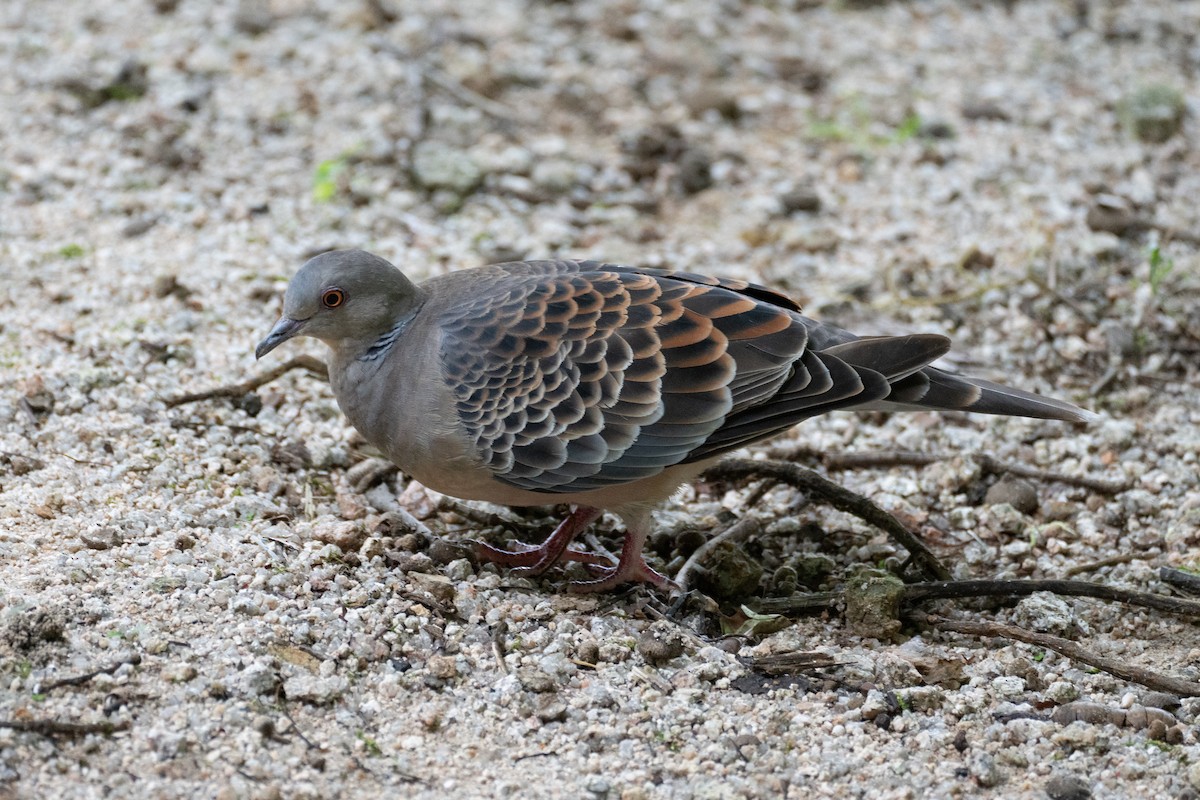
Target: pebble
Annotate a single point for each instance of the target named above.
(1153, 113)
(662, 641)
(442, 667)
(1016, 492)
(800, 199)
(1065, 786)
(1046, 612)
(729, 573)
(984, 770)
(536, 680)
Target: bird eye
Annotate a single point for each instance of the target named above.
(332, 298)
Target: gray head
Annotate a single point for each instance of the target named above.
(342, 297)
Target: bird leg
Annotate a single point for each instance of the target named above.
(536, 559)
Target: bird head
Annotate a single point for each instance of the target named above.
(340, 297)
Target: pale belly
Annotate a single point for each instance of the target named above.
(418, 432)
(467, 480)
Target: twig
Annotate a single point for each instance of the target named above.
(76, 680)
(469, 96)
(34, 462)
(1179, 235)
(54, 727)
(369, 473)
(448, 84)
(296, 728)
(950, 590)
(1187, 581)
(908, 458)
(1066, 647)
(743, 528)
(757, 492)
(997, 467)
(920, 592)
(384, 501)
(788, 663)
(408, 519)
(37, 463)
(1109, 375)
(427, 600)
(310, 363)
(70, 457)
(837, 496)
(499, 631)
(798, 603)
(652, 679)
(1121, 558)
(875, 459)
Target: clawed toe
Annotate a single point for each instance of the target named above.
(611, 577)
(523, 556)
(533, 560)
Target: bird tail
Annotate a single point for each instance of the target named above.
(904, 362)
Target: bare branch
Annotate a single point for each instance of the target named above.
(76, 680)
(837, 496)
(54, 727)
(919, 592)
(1076, 652)
(310, 363)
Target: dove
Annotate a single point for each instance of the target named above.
(601, 386)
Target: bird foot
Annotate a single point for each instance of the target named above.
(533, 560)
(634, 570)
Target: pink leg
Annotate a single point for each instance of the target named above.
(534, 560)
(632, 566)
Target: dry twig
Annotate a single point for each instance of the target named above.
(920, 592)
(469, 97)
(790, 663)
(1186, 581)
(1072, 650)
(837, 496)
(798, 603)
(76, 680)
(499, 631)
(310, 363)
(997, 467)
(55, 727)
(950, 590)
(942, 590)
(907, 458)
(1120, 558)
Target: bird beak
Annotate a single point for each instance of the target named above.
(285, 329)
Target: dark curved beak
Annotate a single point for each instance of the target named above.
(285, 329)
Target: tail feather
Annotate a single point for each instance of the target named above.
(904, 362)
(950, 391)
(893, 357)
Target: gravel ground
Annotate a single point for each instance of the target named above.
(1021, 176)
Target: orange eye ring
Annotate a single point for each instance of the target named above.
(332, 298)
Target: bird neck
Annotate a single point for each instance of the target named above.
(382, 345)
(373, 344)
